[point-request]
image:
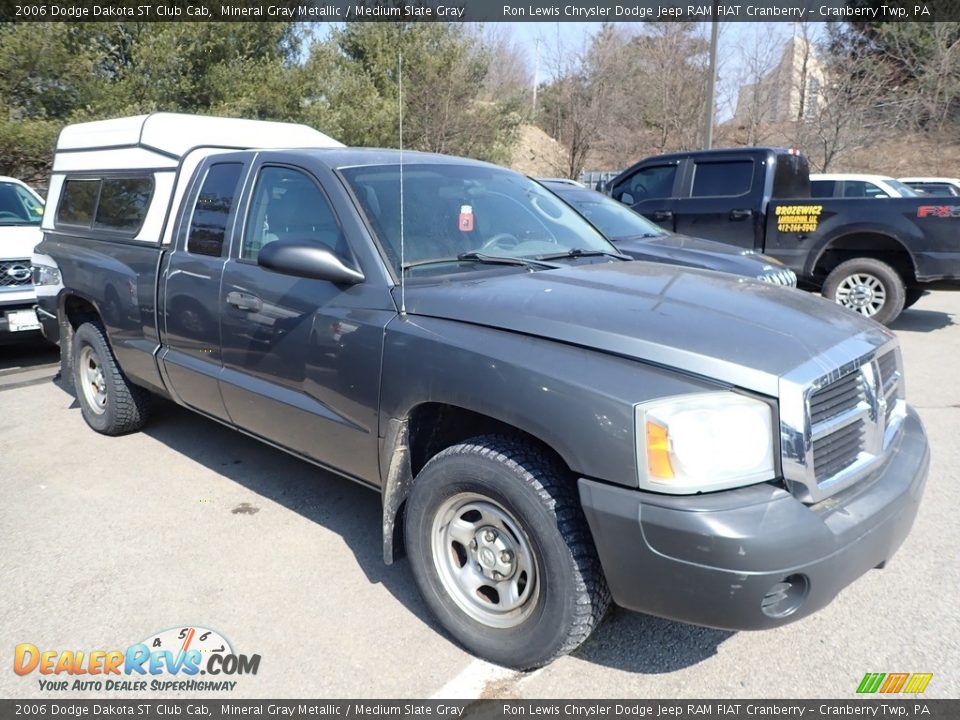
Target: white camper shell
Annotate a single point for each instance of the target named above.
(163, 147)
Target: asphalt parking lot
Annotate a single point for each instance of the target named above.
(107, 541)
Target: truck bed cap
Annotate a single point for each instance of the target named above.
(169, 136)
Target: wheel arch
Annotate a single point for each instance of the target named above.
(73, 310)
(864, 244)
(409, 442)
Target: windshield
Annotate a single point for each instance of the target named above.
(18, 206)
(450, 210)
(614, 219)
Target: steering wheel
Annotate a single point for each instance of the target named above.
(5, 213)
(500, 241)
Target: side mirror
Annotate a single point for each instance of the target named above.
(626, 198)
(307, 260)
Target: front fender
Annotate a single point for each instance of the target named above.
(576, 400)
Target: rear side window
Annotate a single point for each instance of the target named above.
(722, 179)
(78, 202)
(791, 178)
(211, 213)
(115, 204)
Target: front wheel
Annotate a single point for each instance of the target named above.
(867, 286)
(501, 552)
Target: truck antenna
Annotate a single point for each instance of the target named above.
(403, 286)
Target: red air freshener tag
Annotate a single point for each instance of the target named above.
(466, 218)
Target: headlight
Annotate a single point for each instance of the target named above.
(45, 275)
(704, 441)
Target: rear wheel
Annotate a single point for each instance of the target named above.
(501, 553)
(109, 402)
(867, 286)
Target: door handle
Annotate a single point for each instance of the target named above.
(740, 214)
(244, 301)
(660, 215)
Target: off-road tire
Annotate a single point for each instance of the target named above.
(541, 496)
(876, 270)
(127, 405)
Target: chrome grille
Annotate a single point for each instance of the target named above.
(14, 273)
(835, 428)
(837, 413)
(892, 379)
(836, 398)
(837, 451)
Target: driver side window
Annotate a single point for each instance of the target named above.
(288, 205)
(649, 183)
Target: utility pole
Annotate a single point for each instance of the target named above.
(711, 80)
(536, 73)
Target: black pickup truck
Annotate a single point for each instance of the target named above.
(550, 425)
(874, 256)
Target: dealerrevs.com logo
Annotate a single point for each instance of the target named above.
(172, 660)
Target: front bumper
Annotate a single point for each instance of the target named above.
(49, 324)
(755, 557)
(9, 332)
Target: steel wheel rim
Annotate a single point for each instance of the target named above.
(863, 293)
(92, 382)
(484, 560)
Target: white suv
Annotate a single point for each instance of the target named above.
(856, 185)
(21, 210)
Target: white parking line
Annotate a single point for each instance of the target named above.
(471, 682)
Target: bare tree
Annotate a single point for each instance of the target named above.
(670, 66)
(929, 62)
(760, 86)
(849, 115)
(508, 75)
(575, 103)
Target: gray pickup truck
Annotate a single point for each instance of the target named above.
(550, 426)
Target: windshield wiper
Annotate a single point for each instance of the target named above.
(474, 256)
(580, 252)
(506, 260)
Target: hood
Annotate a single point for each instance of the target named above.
(696, 252)
(17, 241)
(742, 332)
